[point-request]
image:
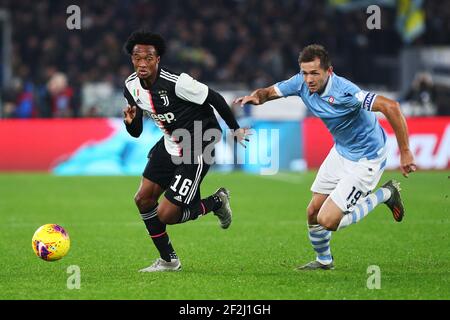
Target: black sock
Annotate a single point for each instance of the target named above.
(157, 231)
(200, 208)
(212, 203)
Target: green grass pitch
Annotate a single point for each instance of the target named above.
(254, 259)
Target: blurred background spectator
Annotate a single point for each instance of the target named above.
(421, 97)
(231, 44)
(60, 96)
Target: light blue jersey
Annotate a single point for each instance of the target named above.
(346, 111)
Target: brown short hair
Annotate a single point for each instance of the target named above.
(313, 51)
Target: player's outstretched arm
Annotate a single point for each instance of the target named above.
(392, 112)
(259, 96)
(132, 117)
(218, 102)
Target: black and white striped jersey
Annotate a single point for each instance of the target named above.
(174, 101)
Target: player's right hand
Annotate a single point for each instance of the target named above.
(129, 113)
(407, 163)
(247, 99)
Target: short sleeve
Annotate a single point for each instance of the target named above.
(365, 99)
(289, 87)
(189, 89)
(357, 98)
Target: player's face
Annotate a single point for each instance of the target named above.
(314, 76)
(145, 60)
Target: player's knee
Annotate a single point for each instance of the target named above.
(311, 213)
(144, 202)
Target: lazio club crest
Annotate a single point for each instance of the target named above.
(331, 99)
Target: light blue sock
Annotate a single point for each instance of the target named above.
(320, 241)
(364, 207)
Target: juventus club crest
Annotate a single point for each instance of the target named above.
(164, 97)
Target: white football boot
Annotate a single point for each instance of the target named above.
(163, 265)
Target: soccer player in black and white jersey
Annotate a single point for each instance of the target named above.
(174, 101)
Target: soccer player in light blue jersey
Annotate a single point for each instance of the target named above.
(342, 191)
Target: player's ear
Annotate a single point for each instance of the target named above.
(330, 70)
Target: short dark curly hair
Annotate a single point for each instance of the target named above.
(145, 37)
(313, 51)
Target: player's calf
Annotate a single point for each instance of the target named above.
(168, 212)
(146, 199)
(314, 207)
(330, 215)
(311, 214)
(329, 223)
(144, 204)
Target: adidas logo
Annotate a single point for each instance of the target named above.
(178, 198)
(138, 101)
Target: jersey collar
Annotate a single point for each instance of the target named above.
(328, 86)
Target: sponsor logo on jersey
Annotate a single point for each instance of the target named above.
(164, 117)
(178, 198)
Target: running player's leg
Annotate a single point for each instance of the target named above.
(318, 236)
(352, 199)
(182, 201)
(218, 202)
(146, 200)
(326, 180)
(388, 194)
(155, 180)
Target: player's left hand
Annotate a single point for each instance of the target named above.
(407, 163)
(241, 135)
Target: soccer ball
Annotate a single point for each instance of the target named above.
(50, 242)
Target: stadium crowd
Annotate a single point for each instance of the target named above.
(245, 43)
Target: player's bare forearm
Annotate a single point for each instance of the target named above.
(398, 123)
(265, 94)
(392, 112)
(259, 96)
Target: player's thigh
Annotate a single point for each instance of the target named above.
(148, 191)
(160, 167)
(331, 171)
(156, 176)
(184, 188)
(330, 214)
(362, 179)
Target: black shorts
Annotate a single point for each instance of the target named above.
(181, 181)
